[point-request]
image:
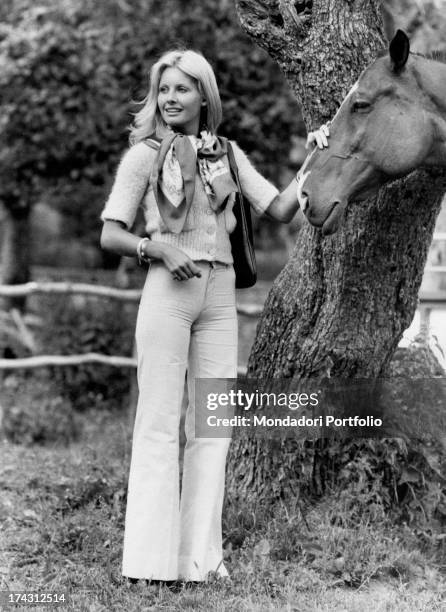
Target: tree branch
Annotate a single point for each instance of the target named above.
(270, 23)
(297, 23)
(313, 41)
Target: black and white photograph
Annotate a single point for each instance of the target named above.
(223, 305)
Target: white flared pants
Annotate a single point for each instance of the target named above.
(181, 325)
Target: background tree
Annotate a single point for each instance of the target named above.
(69, 74)
(341, 304)
(424, 22)
(52, 128)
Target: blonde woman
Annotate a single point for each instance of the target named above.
(187, 316)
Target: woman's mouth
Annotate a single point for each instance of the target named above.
(172, 111)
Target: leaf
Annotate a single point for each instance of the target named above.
(346, 577)
(30, 514)
(409, 475)
(339, 563)
(262, 548)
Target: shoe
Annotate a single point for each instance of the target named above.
(154, 586)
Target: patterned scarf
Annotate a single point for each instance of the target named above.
(173, 175)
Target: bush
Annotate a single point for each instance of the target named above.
(70, 71)
(76, 325)
(34, 411)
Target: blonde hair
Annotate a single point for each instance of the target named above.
(195, 66)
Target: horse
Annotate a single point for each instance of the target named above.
(392, 121)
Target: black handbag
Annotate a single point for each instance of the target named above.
(242, 243)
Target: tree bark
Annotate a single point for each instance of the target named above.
(14, 254)
(342, 302)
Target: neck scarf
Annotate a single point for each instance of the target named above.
(173, 175)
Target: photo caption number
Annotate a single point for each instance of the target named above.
(32, 598)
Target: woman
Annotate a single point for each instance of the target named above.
(187, 315)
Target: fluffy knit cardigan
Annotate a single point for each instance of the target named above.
(205, 235)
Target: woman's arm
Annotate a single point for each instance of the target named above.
(285, 205)
(319, 137)
(282, 206)
(120, 210)
(116, 238)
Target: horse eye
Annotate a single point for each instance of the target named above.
(360, 105)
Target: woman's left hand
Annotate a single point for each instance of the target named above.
(319, 137)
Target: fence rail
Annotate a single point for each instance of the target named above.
(100, 291)
(428, 301)
(40, 361)
(127, 295)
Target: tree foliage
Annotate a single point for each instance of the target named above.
(69, 72)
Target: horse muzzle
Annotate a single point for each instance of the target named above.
(327, 218)
(321, 208)
(325, 215)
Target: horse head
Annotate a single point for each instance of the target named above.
(391, 122)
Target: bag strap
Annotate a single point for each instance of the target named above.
(233, 166)
(243, 210)
(153, 142)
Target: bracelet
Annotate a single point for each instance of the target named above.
(142, 257)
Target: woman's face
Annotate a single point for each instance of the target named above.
(179, 101)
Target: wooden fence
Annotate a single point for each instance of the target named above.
(428, 301)
(56, 288)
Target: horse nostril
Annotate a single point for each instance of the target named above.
(303, 200)
(302, 196)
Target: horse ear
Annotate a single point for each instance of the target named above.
(399, 50)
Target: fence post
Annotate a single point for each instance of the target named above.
(425, 319)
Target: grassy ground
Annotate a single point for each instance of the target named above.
(62, 519)
(62, 512)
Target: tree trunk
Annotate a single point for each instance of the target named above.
(342, 303)
(15, 255)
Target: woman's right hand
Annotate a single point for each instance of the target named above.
(318, 137)
(178, 263)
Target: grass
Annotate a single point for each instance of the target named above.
(62, 512)
(64, 477)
